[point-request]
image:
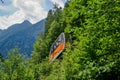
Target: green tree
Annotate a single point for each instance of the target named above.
(93, 28)
(53, 28)
(1, 57)
(15, 67)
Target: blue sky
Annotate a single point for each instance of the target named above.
(16, 11)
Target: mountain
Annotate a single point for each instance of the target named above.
(14, 29)
(22, 36)
(0, 31)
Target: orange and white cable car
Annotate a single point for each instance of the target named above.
(57, 47)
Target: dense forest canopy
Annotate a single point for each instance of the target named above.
(92, 29)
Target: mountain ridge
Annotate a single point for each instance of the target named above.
(21, 35)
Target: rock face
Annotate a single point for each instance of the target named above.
(22, 36)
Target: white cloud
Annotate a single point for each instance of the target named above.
(17, 17)
(32, 10)
(27, 9)
(3, 7)
(59, 2)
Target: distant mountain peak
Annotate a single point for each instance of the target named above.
(23, 35)
(26, 22)
(0, 30)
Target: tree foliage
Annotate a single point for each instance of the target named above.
(93, 33)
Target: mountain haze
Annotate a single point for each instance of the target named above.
(21, 35)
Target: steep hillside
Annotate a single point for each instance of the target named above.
(92, 52)
(14, 29)
(0, 31)
(22, 36)
(92, 31)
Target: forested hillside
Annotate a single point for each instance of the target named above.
(92, 52)
(21, 35)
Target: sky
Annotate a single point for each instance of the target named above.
(16, 11)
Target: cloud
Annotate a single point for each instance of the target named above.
(32, 10)
(27, 9)
(59, 2)
(3, 8)
(17, 17)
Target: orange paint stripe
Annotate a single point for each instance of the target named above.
(59, 48)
